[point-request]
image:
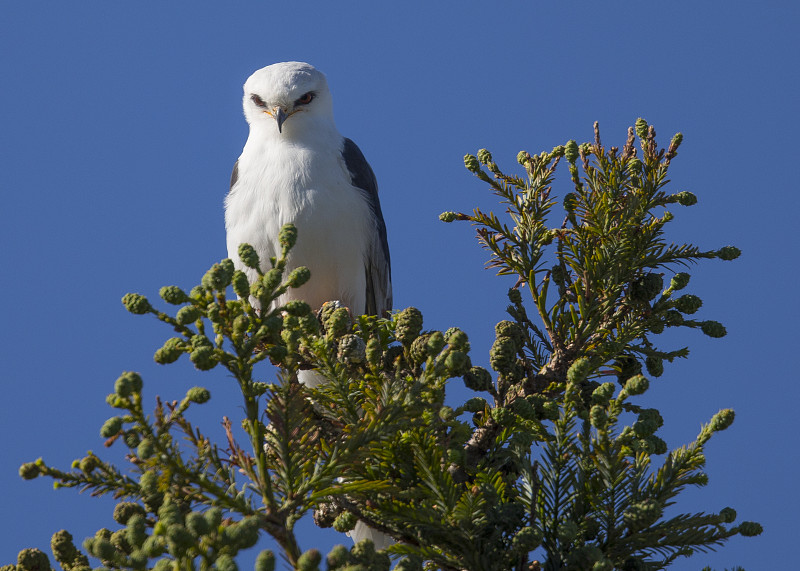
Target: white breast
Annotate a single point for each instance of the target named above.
(308, 186)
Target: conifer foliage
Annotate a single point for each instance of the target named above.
(552, 465)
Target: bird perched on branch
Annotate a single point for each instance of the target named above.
(296, 168)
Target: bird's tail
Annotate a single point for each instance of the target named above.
(310, 378)
(362, 531)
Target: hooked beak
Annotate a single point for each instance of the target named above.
(280, 116)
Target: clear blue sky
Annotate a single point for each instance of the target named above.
(120, 122)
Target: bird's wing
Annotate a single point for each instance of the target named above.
(235, 174)
(378, 265)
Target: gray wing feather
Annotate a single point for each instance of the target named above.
(235, 174)
(378, 265)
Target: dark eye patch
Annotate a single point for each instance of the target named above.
(257, 100)
(306, 98)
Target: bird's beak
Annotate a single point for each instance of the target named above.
(280, 116)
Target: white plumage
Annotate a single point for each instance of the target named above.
(296, 168)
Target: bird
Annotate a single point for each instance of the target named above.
(297, 168)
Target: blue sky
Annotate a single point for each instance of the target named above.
(119, 125)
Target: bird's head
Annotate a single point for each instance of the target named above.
(287, 97)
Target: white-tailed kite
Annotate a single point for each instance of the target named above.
(296, 168)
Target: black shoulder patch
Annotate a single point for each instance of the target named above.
(361, 174)
(235, 174)
(378, 268)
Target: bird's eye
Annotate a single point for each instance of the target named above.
(306, 99)
(257, 100)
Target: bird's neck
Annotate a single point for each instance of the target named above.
(302, 132)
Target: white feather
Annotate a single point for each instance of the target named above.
(297, 175)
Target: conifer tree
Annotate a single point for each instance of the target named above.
(553, 464)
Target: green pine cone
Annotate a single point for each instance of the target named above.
(728, 515)
(203, 358)
(484, 156)
(686, 198)
(478, 379)
(570, 203)
(688, 303)
(514, 296)
(503, 355)
(579, 370)
(241, 286)
(265, 561)
(512, 331)
(641, 128)
(287, 237)
(123, 511)
(173, 295)
(637, 385)
(127, 384)
(213, 518)
(111, 427)
(729, 253)
(32, 559)
(750, 529)
(198, 395)
(713, 329)
(679, 281)
(169, 353)
(218, 277)
(136, 303)
(471, 162)
(457, 339)
(571, 151)
(345, 522)
(63, 548)
(602, 394)
(298, 277)
(224, 563)
(722, 420)
(248, 256)
(187, 314)
(457, 363)
(196, 523)
(419, 349)
(646, 287)
(475, 404)
(654, 365)
(309, 561)
(89, 463)
(598, 416)
(29, 471)
(338, 557)
(336, 322)
(435, 343)
(527, 539)
(408, 325)
(297, 308)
